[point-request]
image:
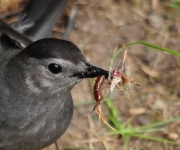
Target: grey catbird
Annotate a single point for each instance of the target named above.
(35, 82)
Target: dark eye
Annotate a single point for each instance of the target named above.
(54, 68)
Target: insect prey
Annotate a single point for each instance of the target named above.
(99, 90)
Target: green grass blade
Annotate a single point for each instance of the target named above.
(156, 139)
(155, 47)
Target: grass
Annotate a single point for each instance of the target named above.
(126, 130)
(148, 45)
(139, 132)
(142, 132)
(174, 4)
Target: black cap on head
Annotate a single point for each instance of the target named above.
(55, 48)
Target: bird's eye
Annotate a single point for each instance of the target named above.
(54, 68)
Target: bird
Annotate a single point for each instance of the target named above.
(37, 74)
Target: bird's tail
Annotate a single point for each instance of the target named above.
(39, 17)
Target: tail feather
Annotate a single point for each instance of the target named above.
(39, 17)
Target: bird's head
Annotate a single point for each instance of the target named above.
(53, 64)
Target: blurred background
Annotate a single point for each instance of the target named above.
(148, 118)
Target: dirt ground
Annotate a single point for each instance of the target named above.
(100, 27)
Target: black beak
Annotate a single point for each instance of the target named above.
(92, 72)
